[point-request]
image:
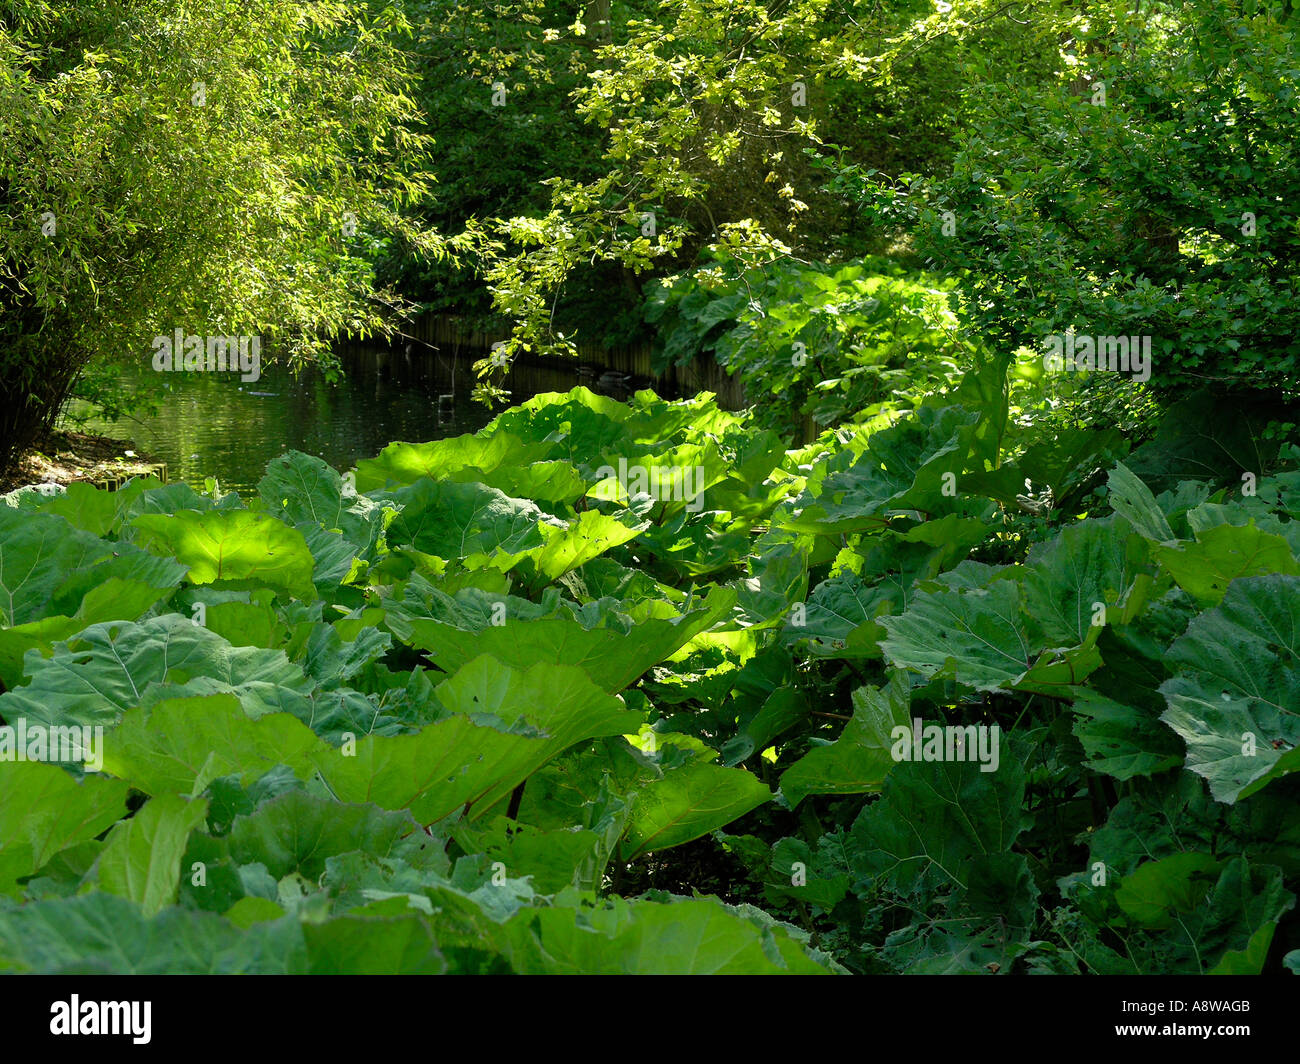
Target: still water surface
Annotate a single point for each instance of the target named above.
(213, 425)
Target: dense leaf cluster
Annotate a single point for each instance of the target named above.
(461, 710)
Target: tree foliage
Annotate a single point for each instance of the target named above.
(1145, 190)
(224, 170)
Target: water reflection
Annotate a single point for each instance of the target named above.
(212, 425)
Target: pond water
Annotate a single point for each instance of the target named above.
(212, 425)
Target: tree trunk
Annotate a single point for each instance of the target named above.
(598, 21)
(37, 372)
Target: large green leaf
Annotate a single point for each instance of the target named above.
(305, 487)
(38, 553)
(103, 934)
(613, 648)
(297, 832)
(557, 484)
(44, 810)
(840, 616)
(818, 877)
(1235, 694)
(696, 937)
(402, 464)
(859, 761)
(113, 600)
(93, 678)
(1122, 739)
(1067, 455)
(94, 510)
(934, 820)
(359, 944)
(179, 746)
(983, 638)
(903, 468)
(234, 546)
(552, 860)
(588, 537)
(141, 859)
(504, 725)
(580, 425)
(1132, 498)
(306, 490)
(1223, 553)
(688, 802)
(780, 712)
(1157, 891)
(979, 636)
(456, 520)
(1186, 914)
(1081, 574)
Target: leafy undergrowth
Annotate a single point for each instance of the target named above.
(483, 707)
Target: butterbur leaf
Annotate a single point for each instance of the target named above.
(334, 556)
(1195, 441)
(167, 499)
(305, 487)
(933, 819)
(1235, 695)
(93, 678)
(103, 934)
(780, 711)
(1155, 823)
(976, 948)
(1122, 740)
(456, 520)
(688, 937)
(859, 761)
(1190, 914)
(688, 802)
(181, 745)
(1223, 553)
(1083, 572)
(402, 464)
(504, 725)
(595, 638)
(1158, 891)
(372, 945)
(903, 468)
(780, 577)
(1066, 456)
(556, 484)
(1000, 886)
(89, 508)
(44, 810)
(1130, 497)
(113, 600)
(586, 538)
(818, 878)
(298, 832)
(840, 617)
(235, 547)
(552, 860)
(979, 636)
(141, 859)
(37, 554)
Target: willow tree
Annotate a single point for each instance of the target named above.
(224, 169)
